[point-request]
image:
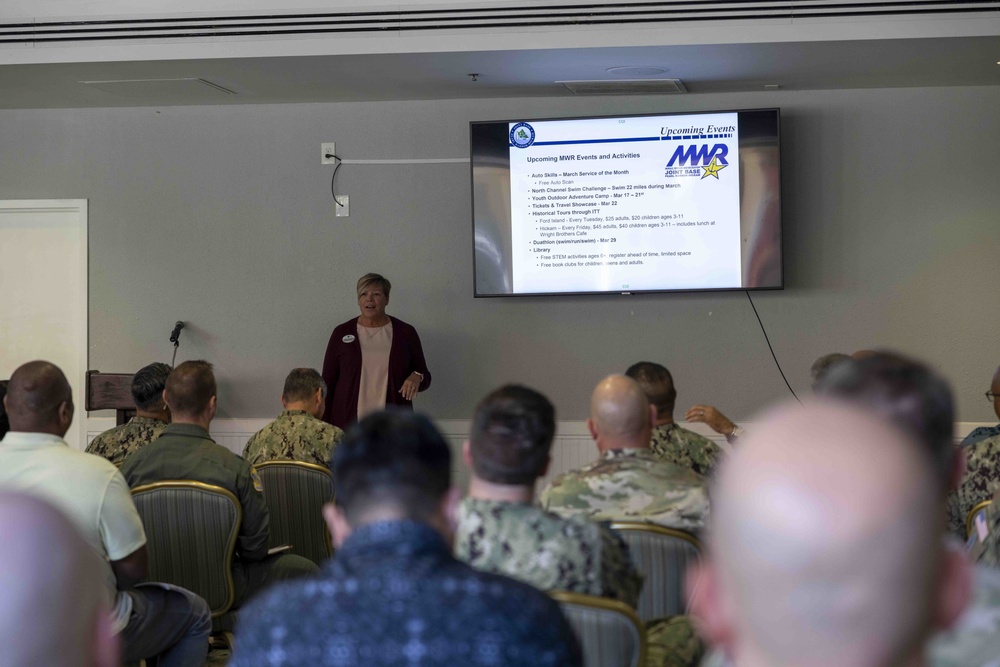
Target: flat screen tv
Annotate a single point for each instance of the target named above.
(625, 204)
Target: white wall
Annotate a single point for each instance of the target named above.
(222, 216)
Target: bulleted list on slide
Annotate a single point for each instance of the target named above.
(622, 204)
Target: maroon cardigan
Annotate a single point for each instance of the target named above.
(342, 370)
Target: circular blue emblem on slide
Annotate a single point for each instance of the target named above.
(522, 135)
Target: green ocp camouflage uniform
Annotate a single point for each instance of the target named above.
(685, 448)
(980, 481)
(117, 443)
(673, 642)
(974, 641)
(294, 436)
(551, 553)
(630, 485)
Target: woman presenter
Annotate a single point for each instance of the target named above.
(372, 361)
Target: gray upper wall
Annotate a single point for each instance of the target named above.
(222, 217)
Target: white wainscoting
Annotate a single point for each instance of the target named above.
(572, 448)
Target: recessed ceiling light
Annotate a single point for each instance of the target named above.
(637, 70)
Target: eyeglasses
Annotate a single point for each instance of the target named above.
(991, 396)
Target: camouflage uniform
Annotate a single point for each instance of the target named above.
(673, 642)
(295, 435)
(550, 553)
(117, 443)
(685, 448)
(974, 641)
(526, 542)
(630, 485)
(980, 481)
(981, 433)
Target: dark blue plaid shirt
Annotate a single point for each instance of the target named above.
(394, 595)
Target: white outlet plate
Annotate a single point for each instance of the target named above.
(328, 149)
(342, 206)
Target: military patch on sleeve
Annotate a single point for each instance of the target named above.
(256, 480)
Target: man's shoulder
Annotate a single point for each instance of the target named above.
(979, 434)
(85, 463)
(117, 443)
(455, 600)
(520, 526)
(974, 641)
(984, 453)
(686, 435)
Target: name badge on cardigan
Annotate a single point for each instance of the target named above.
(349, 338)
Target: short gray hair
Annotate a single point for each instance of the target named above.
(302, 383)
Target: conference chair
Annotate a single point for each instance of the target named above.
(971, 516)
(295, 493)
(610, 633)
(191, 531)
(662, 555)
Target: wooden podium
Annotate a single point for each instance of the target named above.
(110, 391)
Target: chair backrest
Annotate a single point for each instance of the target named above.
(971, 516)
(191, 531)
(662, 555)
(610, 633)
(295, 493)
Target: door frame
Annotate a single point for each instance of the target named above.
(80, 207)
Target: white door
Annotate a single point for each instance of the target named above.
(43, 292)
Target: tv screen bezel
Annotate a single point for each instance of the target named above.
(781, 226)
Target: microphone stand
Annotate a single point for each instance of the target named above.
(175, 337)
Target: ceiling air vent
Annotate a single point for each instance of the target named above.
(626, 87)
(176, 91)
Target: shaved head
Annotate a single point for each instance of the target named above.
(38, 399)
(825, 547)
(55, 609)
(620, 413)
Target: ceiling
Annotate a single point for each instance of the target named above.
(814, 65)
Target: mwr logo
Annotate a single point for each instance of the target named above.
(698, 160)
(522, 135)
(698, 155)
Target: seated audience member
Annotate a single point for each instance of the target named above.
(817, 518)
(298, 434)
(981, 477)
(722, 425)
(980, 480)
(151, 417)
(185, 451)
(987, 432)
(153, 620)
(822, 367)
(4, 422)
(918, 400)
(670, 442)
(501, 530)
(393, 594)
(628, 482)
(54, 610)
(909, 394)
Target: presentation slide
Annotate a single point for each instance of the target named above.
(623, 204)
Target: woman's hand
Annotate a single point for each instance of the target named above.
(410, 386)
